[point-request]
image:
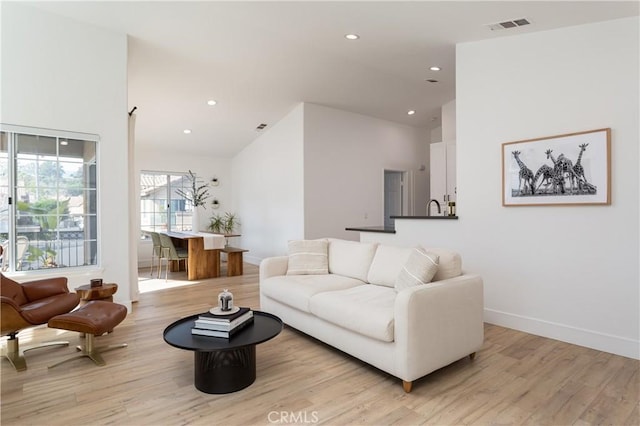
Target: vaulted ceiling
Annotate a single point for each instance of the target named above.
(258, 60)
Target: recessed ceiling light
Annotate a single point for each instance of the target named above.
(64, 143)
(186, 131)
(435, 68)
(352, 36)
(411, 112)
(211, 102)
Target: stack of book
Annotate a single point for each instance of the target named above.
(215, 325)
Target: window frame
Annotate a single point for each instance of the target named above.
(171, 199)
(12, 134)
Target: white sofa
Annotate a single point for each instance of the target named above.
(355, 307)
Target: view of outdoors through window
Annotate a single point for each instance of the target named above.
(48, 197)
(162, 208)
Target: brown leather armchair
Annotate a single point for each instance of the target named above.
(29, 304)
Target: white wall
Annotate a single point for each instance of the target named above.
(318, 171)
(61, 74)
(345, 155)
(449, 121)
(569, 273)
(436, 135)
(268, 188)
(204, 168)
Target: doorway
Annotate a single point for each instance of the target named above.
(396, 195)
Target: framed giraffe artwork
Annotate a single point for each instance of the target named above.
(569, 169)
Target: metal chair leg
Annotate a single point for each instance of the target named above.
(153, 258)
(15, 354)
(91, 352)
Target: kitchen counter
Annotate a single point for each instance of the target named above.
(391, 229)
(425, 217)
(383, 229)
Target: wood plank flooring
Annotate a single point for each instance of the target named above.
(516, 378)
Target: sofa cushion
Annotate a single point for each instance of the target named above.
(365, 309)
(450, 264)
(308, 257)
(387, 264)
(419, 269)
(296, 290)
(350, 258)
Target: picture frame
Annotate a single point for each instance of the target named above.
(568, 169)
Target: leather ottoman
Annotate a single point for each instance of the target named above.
(94, 319)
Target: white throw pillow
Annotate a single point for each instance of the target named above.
(419, 269)
(387, 264)
(308, 257)
(350, 258)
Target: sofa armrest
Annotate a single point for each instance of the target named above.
(437, 324)
(273, 266)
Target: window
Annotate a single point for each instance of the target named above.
(162, 208)
(48, 199)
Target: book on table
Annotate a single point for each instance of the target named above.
(212, 324)
(221, 333)
(224, 318)
(216, 325)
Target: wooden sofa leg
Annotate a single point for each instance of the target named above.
(407, 386)
(472, 356)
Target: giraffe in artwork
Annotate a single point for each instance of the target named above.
(562, 168)
(547, 177)
(525, 175)
(550, 156)
(566, 167)
(578, 169)
(558, 176)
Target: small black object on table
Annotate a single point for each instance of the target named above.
(224, 365)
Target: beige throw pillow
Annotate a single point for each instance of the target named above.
(308, 257)
(419, 269)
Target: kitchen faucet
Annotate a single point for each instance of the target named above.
(429, 207)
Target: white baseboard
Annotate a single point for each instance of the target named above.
(578, 336)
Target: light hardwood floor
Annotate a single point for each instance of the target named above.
(516, 378)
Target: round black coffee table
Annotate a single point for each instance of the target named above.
(224, 365)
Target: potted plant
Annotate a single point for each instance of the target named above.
(223, 224)
(197, 194)
(230, 222)
(216, 224)
(215, 203)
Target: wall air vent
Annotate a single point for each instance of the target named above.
(260, 127)
(509, 24)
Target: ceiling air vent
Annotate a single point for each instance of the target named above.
(509, 24)
(261, 127)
